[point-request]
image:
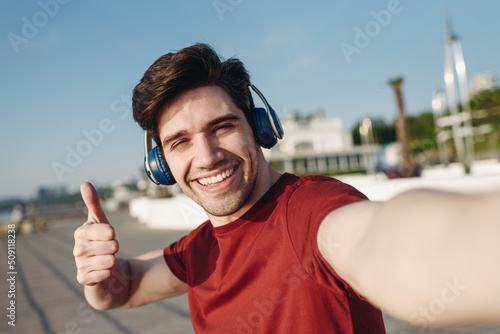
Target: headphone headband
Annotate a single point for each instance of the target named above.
(148, 144)
(274, 121)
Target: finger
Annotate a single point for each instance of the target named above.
(95, 248)
(100, 262)
(94, 277)
(90, 231)
(100, 232)
(91, 200)
(95, 263)
(110, 247)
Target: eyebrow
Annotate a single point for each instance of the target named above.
(173, 137)
(224, 118)
(215, 121)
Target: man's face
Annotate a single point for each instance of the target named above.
(210, 149)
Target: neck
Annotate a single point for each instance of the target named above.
(266, 178)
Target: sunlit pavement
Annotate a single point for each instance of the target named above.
(50, 300)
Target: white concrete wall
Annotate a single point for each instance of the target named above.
(484, 177)
(176, 213)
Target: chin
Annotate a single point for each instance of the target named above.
(226, 206)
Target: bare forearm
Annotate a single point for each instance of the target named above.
(113, 292)
(432, 258)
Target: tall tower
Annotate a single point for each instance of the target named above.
(460, 121)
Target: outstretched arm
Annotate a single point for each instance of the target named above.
(426, 257)
(110, 282)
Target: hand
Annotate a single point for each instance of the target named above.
(95, 244)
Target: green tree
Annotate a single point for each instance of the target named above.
(486, 99)
(485, 107)
(383, 133)
(421, 132)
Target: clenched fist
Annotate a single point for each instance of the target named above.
(95, 243)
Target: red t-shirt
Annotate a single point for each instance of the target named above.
(263, 273)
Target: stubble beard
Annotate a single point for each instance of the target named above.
(226, 204)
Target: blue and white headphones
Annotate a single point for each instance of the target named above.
(267, 130)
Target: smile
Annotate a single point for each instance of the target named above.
(216, 178)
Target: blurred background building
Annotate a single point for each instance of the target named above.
(319, 145)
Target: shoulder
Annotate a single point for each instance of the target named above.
(314, 187)
(311, 200)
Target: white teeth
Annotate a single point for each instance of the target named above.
(217, 178)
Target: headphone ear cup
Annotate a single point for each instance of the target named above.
(263, 130)
(160, 168)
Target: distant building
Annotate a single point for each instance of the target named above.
(52, 192)
(316, 144)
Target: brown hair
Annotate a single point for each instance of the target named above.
(192, 67)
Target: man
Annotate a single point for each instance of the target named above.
(282, 254)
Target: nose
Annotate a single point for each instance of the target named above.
(207, 152)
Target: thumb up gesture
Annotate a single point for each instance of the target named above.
(95, 244)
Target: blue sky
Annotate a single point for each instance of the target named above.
(68, 68)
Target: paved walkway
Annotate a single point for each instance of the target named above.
(50, 300)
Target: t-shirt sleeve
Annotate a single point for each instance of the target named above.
(175, 258)
(180, 255)
(308, 205)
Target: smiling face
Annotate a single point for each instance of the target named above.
(210, 149)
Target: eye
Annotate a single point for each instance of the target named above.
(178, 144)
(223, 127)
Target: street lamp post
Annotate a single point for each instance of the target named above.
(462, 124)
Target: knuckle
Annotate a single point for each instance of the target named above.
(115, 247)
(109, 232)
(110, 261)
(107, 274)
(82, 279)
(79, 278)
(80, 265)
(78, 250)
(78, 233)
